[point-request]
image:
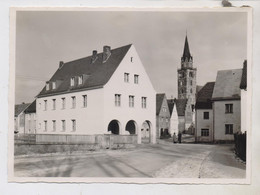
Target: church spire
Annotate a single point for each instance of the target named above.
(186, 51)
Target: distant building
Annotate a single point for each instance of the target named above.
(30, 118)
(187, 84)
(243, 87)
(162, 116)
(105, 93)
(181, 106)
(19, 118)
(204, 114)
(174, 121)
(226, 104)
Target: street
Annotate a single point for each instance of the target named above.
(164, 160)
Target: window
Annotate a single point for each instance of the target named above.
(229, 108)
(205, 115)
(72, 81)
(63, 103)
(136, 79)
(228, 128)
(164, 109)
(53, 85)
(54, 104)
(45, 125)
(191, 74)
(144, 102)
(117, 100)
(190, 82)
(190, 90)
(131, 59)
(84, 101)
(47, 86)
(73, 125)
(131, 101)
(205, 132)
(73, 101)
(126, 77)
(54, 125)
(45, 104)
(80, 80)
(180, 83)
(63, 124)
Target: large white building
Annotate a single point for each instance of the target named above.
(107, 92)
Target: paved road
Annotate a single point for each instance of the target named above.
(160, 160)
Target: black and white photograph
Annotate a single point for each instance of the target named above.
(130, 95)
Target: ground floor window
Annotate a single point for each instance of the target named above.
(205, 132)
(228, 128)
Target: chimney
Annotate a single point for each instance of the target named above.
(94, 56)
(106, 53)
(61, 64)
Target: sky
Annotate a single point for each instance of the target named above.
(217, 41)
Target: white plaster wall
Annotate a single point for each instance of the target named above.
(244, 111)
(174, 122)
(30, 123)
(89, 120)
(144, 88)
(202, 123)
(221, 118)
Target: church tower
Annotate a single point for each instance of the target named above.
(187, 81)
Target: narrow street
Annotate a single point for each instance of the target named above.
(161, 160)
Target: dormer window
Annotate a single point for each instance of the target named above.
(53, 85)
(80, 80)
(72, 81)
(47, 86)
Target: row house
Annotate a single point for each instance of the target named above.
(162, 116)
(105, 93)
(218, 107)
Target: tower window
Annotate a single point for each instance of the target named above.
(191, 82)
(191, 74)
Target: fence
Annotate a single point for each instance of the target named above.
(240, 145)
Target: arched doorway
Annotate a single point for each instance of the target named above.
(131, 127)
(146, 132)
(114, 127)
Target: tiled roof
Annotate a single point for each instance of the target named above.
(243, 83)
(96, 73)
(171, 103)
(227, 85)
(31, 108)
(159, 101)
(204, 96)
(181, 106)
(20, 108)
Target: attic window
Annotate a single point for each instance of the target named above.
(72, 81)
(47, 86)
(53, 85)
(80, 80)
(131, 59)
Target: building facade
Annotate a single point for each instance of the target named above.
(226, 104)
(19, 118)
(174, 121)
(204, 114)
(162, 116)
(187, 83)
(105, 93)
(30, 118)
(245, 113)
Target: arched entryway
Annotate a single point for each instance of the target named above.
(146, 132)
(114, 127)
(131, 127)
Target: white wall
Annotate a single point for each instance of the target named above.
(202, 123)
(174, 122)
(144, 88)
(221, 118)
(89, 120)
(30, 123)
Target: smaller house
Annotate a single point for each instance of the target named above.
(162, 116)
(174, 121)
(19, 118)
(181, 105)
(30, 118)
(243, 89)
(204, 114)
